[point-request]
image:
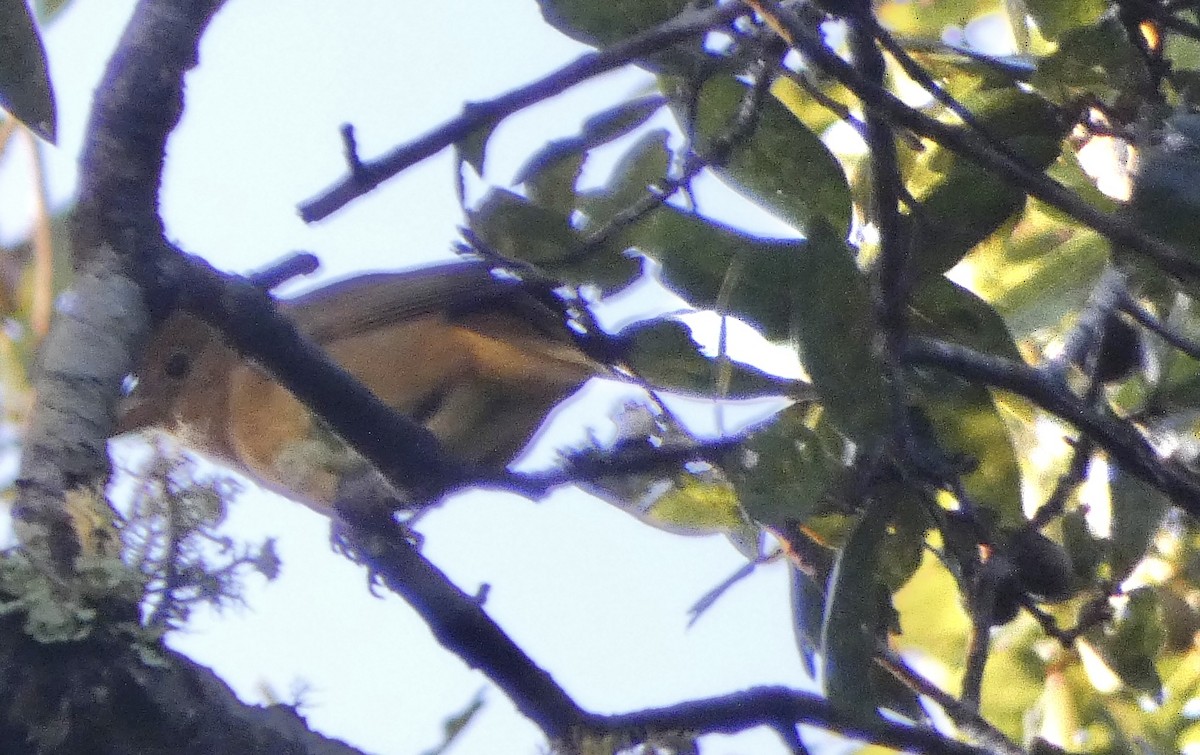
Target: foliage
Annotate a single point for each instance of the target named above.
(170, 537)
(993, 465)
(1067, 565)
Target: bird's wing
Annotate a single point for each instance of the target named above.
(456, 291)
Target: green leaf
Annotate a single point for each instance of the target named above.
(644, 164)
(693, 506)
(832, 313)
(48, 9)
(964, 417)
(1055, 17)
(516, 228)
(961, 203)
(783, 166)
(904, 542)
(1036, 279)
(1132, 645)
(1137, 513)
(603, 23)
(701, 258)
(472, 148)
(1094, 61)
(968, 425)
(663, 353)
(930, 20)
(551, 180)
(551, 173)
(852, 618)
(943, 309)
(25, 89)
(784, 471)
(687, 501)
(615, 122)
(808, 109)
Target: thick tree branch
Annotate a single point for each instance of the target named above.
(99, 696)
(139, 102)
(116, 233)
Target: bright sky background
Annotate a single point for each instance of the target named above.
(594, 596)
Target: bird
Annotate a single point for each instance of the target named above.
(474, 356)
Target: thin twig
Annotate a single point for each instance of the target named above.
(292, 266)
(1164, 331)
(975, 147)
(479, 115)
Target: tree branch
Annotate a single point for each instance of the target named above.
(768, 706)
(977, 147)
(366, 175)
(460, 624)
(1121, 440)
(116, 234)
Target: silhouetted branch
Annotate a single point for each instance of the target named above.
(366, 175)
(976, 147)
(767, 706)
(1124, 444)
(460, 624)
(1163, 330)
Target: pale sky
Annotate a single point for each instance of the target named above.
(594, 596)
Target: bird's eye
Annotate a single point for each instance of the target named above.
(177, 365)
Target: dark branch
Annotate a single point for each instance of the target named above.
(1121, 440)
(460, 624)
(767, 706)
(976, 147)
(1163, 330)
(478, 115)
(139, 103)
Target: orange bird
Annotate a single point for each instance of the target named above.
(477, 359)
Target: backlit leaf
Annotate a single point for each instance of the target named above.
(782, 166)
(836, 334)
(852, 618)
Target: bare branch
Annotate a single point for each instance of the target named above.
(366, 175)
